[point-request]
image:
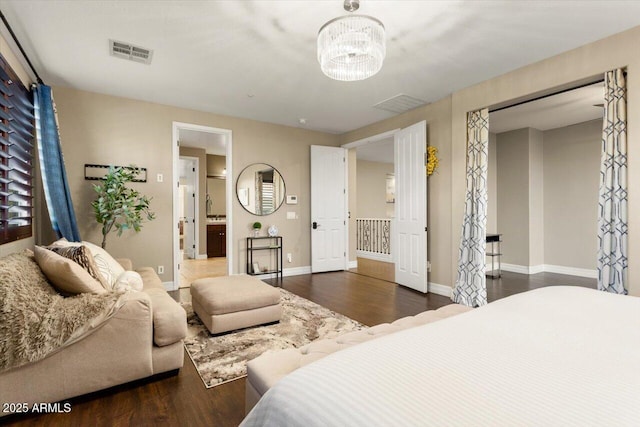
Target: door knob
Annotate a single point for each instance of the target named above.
(315, 225)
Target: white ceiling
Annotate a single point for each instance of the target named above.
(564, 109)
(257, 59)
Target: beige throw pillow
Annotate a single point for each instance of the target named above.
(108, 266)
(82, 256)
(65, 275)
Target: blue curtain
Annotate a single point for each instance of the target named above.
(54, 176)
(471, 283)
(612, 202)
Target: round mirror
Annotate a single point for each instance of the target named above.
(260, 189)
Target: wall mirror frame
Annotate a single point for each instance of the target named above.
(260, 189)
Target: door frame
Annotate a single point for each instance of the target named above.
(228, 136)
(356, 144)
(196, 213)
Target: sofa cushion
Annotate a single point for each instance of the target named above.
(82, 256)
(169, 318)
(67, 276)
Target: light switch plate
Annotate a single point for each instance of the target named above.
(291, 215)
(292, 199)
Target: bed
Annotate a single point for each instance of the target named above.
(555, 356)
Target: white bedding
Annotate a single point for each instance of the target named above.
(556, 356)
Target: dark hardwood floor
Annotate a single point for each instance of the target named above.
(182, 399)
(514, 283)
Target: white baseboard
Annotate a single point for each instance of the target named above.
(375, 256)
(572, 271)
(296, 271)
(353, 264)
(201, 256)
(548, 268)
(293, 271)
(439, 289)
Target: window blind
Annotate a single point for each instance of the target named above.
(16, 156)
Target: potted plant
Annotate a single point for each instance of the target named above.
(256, 228)
(118, 205)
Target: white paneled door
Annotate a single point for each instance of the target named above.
(328, 209)
(410, 237)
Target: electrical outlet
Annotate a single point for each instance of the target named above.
(428, 266)
(161, 269)
(288, 257)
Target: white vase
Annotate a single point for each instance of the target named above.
(256, 232)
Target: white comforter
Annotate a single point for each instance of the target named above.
(556, 356)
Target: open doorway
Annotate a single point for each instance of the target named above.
(388, 221)
(189, 168)
(202, 201)
(374, 209)
(544, 163)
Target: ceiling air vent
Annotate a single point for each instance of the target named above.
(130, 52)
(399, 103)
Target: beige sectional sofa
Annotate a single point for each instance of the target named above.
(143, 338)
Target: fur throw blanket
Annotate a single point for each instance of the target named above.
(36, 321)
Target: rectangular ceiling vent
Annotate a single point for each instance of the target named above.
(400, 103)
(130, 52)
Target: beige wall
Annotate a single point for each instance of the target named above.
(571, 181)
(372, 189)
(492, 186)
(98, 126)
(216, 165)
(536, 198)
(201, 155)
(563, 70)
(513, 195)
(438, 118)
(105, 129)
(217, 187)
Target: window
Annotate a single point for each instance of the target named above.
(16, 157)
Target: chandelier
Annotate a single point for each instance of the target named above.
(351, 47)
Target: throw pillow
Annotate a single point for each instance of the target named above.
(129, 280)
(108, 266)
(82, 256)
(65, 275)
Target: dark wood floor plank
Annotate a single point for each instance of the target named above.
(182, 399)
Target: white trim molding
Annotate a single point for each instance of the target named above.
(438, 289)
(353, 264)
(202, 256)
(572, 271)
(548, 268)
(293, 271)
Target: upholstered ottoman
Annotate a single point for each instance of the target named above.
(234, 302)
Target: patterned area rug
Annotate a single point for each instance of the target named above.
(223, 358)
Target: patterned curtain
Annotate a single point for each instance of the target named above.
(471, 283)
(54, 175)
(612, 215)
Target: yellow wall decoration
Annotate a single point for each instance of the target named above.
(432, 159)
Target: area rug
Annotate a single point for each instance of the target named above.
(223, 358)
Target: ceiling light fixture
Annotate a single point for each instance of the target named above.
(351, 47)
